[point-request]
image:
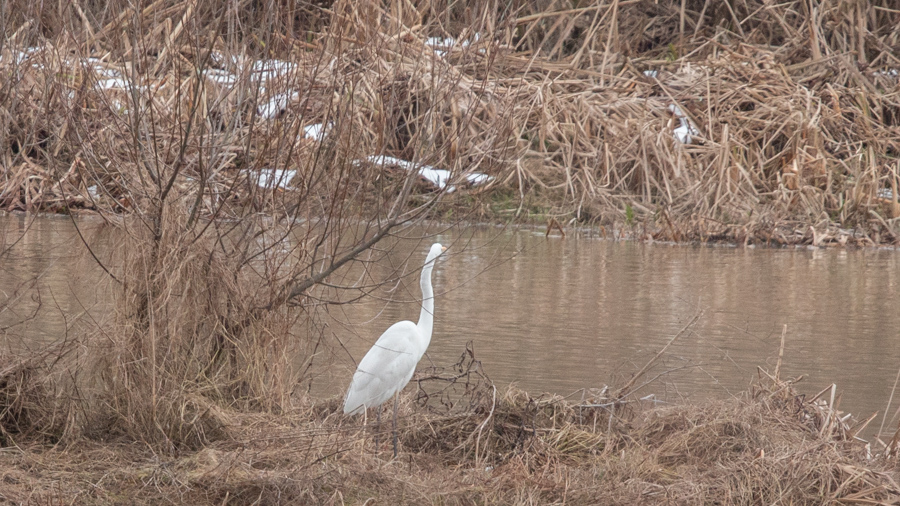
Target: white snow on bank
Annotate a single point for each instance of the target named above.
(276, 104)
(687, 129)
(221, 77)
(266, 70)
(438, 177)
(21, 56)
(317, 132)
(442, 46)
(272, 178)
(100, 68)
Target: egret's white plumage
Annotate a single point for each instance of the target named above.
(391, 362)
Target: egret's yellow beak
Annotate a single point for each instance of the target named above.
(443, 249)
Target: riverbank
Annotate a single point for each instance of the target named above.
(770, 445)
(645, 119)
(251, 156)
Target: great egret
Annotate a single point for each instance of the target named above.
(391, 362)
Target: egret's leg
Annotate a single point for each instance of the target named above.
(396, 399)
(377, 427)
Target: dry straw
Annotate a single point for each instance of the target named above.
(189, 127)
(771, 445)
(792, 109)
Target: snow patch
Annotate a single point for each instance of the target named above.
(437, 177)
(442, 46)
(273, 178)
(276, 105)
(265, 70)
(687, 129)
(318, 131)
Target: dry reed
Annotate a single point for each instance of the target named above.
(186, 126)
(793, 112)
(773, 445)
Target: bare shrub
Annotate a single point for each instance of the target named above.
(185, 125)
(233, 211)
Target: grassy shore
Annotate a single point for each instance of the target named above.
(771, 445)
(247, 154)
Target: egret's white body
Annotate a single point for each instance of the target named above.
(391, 362)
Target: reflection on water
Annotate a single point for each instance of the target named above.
(558, 314)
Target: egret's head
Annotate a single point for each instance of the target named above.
(434, 252)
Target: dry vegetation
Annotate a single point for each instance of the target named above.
(794, 109)
(772, 446)
(184, 125)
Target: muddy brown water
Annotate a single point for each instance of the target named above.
(559, 315)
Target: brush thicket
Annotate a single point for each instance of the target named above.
(794, 110)
(220, 280)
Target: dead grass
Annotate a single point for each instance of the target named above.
(236, 223)
(795, 112)
(772, 445)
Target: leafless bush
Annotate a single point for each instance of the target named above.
(233, 213)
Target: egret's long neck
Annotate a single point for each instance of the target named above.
(426, 317)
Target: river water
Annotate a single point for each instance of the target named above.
(562, 314)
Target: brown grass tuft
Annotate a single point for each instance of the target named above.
(772, 445)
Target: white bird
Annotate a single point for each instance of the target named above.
(391, 362)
